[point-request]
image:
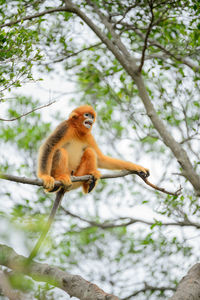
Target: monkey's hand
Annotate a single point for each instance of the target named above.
(48, 181)
(144, 174)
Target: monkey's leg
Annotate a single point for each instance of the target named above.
(60, 169)
(88, 166)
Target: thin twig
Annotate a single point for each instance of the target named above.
(123, 173)
(124, 14)
(29, 112)
(150, 288)
(48, 11)
(146, 37)
(126, 221)
(178, 192)
(74, 54)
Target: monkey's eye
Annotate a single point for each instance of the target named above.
(88, 115)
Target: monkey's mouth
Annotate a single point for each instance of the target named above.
(88, 123)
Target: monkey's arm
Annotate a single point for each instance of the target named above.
(106, 162)
(46, 154)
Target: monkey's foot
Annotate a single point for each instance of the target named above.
(48, 182)
(91, 183)
(65, 179)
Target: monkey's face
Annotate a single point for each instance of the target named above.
(83, 118)
(89, 120)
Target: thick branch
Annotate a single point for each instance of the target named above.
(115, 37)
(74, 285)
(39, 182)
(189, 286)
(7, 289)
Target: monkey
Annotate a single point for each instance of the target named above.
(72, 149)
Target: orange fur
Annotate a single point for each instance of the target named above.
(71, 148)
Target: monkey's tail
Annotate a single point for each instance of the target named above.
(47, 226)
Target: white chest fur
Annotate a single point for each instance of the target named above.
(75, 151)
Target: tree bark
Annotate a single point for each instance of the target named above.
(189, 286)
(74, 285)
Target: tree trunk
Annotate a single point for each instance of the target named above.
(189, 286)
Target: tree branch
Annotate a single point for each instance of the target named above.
(115, 37)
(130, 221)
(74, 285)
(128, 9)
(189, 286)
(7, 289)
(45, 12)
(179, 58)
(148, 287)
(39, 182)
(73, 54)
(29, 112)
(146, 37)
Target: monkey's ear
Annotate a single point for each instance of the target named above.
(73, 115)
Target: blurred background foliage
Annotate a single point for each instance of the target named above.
(142, 259)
